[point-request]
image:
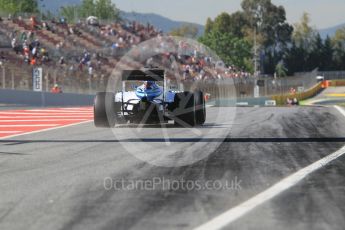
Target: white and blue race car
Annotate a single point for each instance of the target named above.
(149, 103)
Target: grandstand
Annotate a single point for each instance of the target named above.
(81, 57)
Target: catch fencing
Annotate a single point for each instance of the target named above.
(72, 80)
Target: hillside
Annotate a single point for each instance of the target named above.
(163, 23)
(330, 31)
(54, 6)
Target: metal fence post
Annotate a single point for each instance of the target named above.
(12, 79)
(3, 77)
(55, 76)
(90, 84)
(47, 83)
(47, 80)
(266, 86)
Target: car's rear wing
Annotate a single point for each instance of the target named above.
(138, 75)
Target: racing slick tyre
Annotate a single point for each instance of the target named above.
(104, 110)
(200, 107)
(185, 113)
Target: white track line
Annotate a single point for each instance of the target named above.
(75, 110)
(44, 130)
(2, 132)
(81, 117)
(340, 110)
(235, 213)
(28, 113)
(53, 120)
(33, 125)
(59, 111)
(82, 108)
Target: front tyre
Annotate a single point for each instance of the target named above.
(104, 110)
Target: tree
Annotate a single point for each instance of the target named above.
(87, 8)
(269, 21)
(295, 59)
(186, 30)
(105, 9)
(280, 70)
(315, 53)
(338, 43)
(208, 26)
(304, 34)
(28, 6)
(327, 55)
(259, 19)
(237, 24)
(228, 23)
(19, 6)
(69, 12)
(339, 58)
(222, 23)
(308, 50)
(339, 36)
(232, 50)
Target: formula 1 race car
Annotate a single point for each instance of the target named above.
(148, 103)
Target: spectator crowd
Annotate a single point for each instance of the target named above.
(110, 42)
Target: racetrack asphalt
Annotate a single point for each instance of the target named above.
(61, 179)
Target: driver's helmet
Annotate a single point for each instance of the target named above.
(148, 84)
(149, 90)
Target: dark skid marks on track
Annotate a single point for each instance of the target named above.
(257, 163)
(191, 140)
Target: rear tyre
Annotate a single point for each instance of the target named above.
(104, 110)
(185, 111)
(200, 108)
